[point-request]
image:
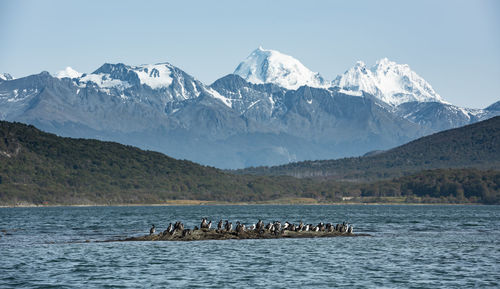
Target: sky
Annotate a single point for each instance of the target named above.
(454, 45)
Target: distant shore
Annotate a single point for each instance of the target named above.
(298, 201)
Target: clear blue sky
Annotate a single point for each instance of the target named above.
(455, 45)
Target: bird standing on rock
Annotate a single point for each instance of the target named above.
(260, 225)
(152, 230)
(168, 230)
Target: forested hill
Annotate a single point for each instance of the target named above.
(33, 163)
(471, 146)
(38, 168)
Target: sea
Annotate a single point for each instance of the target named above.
(431, 246)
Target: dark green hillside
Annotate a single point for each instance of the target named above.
(442, 186)
(38, 167)
(41, 168)
(472, 146)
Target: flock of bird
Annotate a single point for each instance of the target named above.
(274, 227)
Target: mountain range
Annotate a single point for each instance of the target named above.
(271, 110)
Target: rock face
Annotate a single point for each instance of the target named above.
(207, 234)
(278, 112)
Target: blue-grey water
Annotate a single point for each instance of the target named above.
(410, 247)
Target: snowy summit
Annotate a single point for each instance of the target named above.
(271, 66)
(5, 76)
(391, 82)
(69, 73)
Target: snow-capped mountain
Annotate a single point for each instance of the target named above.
(390, 82)
(5, 76)
(160, 83)
(271, 66)
(68, 72)
(273, 110)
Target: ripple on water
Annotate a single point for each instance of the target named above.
(412, 247)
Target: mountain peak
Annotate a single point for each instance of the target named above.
(385, 61)
(68, 72)
(360, 63)
(271, 66)
(156, 76)
(5, 76)
(494, 106)
(389, 81)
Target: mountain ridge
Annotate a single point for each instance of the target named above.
(231, 123)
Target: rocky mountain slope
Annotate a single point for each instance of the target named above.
(272, 110)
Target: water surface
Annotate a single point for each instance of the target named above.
(411, 247)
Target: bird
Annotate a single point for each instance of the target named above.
(260, 225)
(286, 225)
(209, 225)
(152, 230)
(240, 227)
(219, 225)
(168, 230)
(277, 226)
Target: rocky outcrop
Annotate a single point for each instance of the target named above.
(212, 234)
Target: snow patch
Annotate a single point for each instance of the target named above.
(252, 104)
(68, 72)
(271, 100)
(351, 92)
(224, 100)
(154, 75)
(195, 89)
(103, 80)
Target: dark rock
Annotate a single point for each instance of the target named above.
(212, 234)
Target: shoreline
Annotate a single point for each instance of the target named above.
(209, 203)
